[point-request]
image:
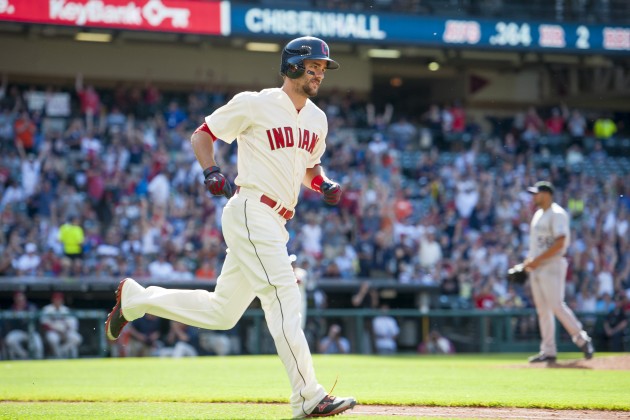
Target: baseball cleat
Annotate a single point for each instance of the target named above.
(542, 358)
(331, 406)
(115, 320)
(588, 349)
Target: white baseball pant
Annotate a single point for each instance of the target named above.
(548, 287)
(256, 265)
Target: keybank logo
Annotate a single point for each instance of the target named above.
(153, 12)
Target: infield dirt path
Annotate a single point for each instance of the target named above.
(464, 413)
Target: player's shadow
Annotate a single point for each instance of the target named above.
(569, 364)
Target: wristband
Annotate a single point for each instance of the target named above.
(316, 183)
(209, 171)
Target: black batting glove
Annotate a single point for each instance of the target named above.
(216, 183)
(332, 192)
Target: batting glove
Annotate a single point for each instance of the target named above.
(332, 192)
(216, 183)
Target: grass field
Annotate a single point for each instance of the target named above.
(201, 387)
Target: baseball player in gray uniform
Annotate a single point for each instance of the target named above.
(281, 138)
(549, 239)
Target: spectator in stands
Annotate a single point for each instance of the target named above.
(115, 120)
(605, 303)
(23, 340)
(436, 343)
(385, 330)
(365, 252)
(31, 169)
(50, 265)
(13, 193)
(574, 156)
(484, 298)
(467, 195)
(174, 116)
(616, 325)
(90, 101)
(206, 271)
(152, 98)
(511, 299)
(180, 341)
(430, 251)
(576, 125)
(334, 342)
(533, 125)
(144, 336)
(161, 268)
(181, 271)
(7, 135)
(217, 343)
(459, 117)
(71, 235)
(25, 129)
(555, 123)
(403, 134)
(159, 189)
(604, 127)
(28, 263)
(311, 237)
(377, 147)
(61, 328)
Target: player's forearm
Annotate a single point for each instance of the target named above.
(310, 174)
(313, 174)
(203, 146)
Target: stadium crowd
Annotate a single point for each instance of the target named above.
(114, 189)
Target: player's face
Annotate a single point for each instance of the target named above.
(541, 198)
(313, 76)
(538, 199)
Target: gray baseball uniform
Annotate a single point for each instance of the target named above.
(548, 280)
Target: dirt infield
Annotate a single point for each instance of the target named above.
(484, 413)
(596, 363)
(601, 363)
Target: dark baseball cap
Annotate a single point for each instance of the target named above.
(541, 186)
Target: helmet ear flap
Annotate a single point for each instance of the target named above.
(294, 71)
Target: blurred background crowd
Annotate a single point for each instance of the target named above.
(438, 198)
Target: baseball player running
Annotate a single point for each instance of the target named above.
(547, 267)
(281, 139)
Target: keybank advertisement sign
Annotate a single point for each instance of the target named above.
(429, 31)
(183, 16)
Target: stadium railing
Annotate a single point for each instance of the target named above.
(471, 331)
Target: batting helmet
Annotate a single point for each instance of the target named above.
(304, 48)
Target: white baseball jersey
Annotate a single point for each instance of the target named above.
(276, 143)
(546, 227)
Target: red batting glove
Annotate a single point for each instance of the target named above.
(216, 183)
(332, 192)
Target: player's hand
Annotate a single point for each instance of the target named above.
(332, 192)
(216, 183)
(530, 265)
